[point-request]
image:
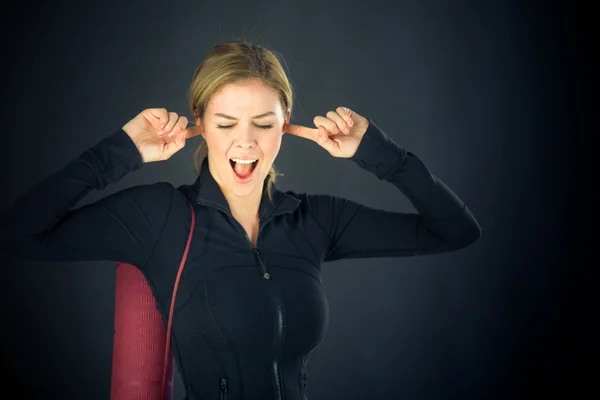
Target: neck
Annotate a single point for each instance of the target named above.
(244, 207)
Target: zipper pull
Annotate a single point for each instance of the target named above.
(223, 385)
(259, 261)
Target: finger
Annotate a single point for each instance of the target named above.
(319, 135)
(173, 118)
(173, 146)
(180, 138)
(346, 114)
(323, 139)
(181, 124)
(322, 134)
(339, 121)
(302, 131)
(327, 124)
(193, 131)
(158, 117)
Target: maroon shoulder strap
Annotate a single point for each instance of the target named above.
(183, 259)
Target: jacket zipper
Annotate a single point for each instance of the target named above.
(223, 388)
(279, 310)
(278, 306)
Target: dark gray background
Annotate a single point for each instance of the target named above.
(492, 95)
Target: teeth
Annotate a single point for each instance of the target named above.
(237, 160)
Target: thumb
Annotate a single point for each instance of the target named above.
(323, 139)
(175, 145)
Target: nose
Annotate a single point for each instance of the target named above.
(246, 137)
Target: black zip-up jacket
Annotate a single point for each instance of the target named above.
(246, 319)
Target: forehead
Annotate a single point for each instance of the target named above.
(248, 95)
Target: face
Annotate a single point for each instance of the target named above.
(244, 120)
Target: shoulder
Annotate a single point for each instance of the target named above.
(158, 205)
(152, 201)
(159, 191)
(324, 208)
(316, 201)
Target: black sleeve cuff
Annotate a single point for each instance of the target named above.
(378, 153)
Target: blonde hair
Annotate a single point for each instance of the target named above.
(232, 62)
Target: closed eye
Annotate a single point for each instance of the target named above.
(231, 126)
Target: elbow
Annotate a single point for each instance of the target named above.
(458, 232)
(466, 230)
(467, 236)
(473, 236)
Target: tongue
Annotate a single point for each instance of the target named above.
(243, 170)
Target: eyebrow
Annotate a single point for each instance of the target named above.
(255, 117)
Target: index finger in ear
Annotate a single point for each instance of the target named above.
(193, 131)
(302, 131)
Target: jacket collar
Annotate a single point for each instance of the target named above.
(209, 192)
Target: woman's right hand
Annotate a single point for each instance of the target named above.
(158, 134)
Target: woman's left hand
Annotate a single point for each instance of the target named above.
(340, 133)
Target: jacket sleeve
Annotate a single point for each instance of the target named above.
(44, 225)
(443, 222)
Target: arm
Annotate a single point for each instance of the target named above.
(43, 224)
(443, 222)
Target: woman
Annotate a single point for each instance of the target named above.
(250, 306)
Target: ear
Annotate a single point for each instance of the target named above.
(288, 115)
(199, 123)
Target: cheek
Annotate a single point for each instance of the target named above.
(270, 145)
(218, 145)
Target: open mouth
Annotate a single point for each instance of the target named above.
(243, 170)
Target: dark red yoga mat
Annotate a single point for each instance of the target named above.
(139, 341)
